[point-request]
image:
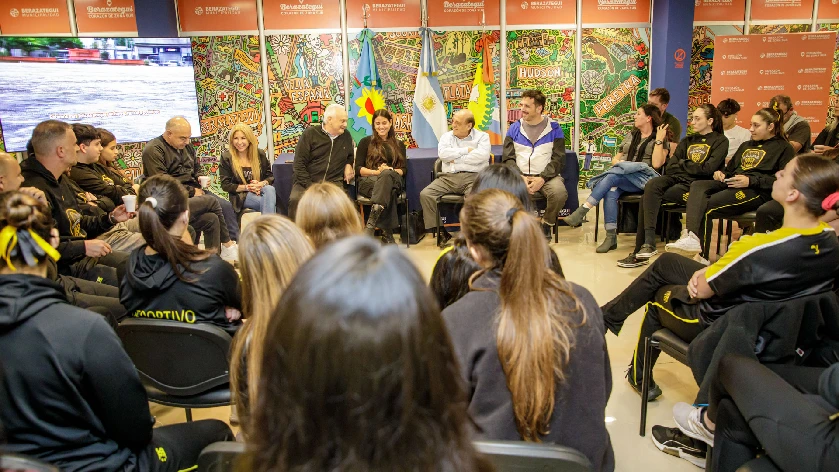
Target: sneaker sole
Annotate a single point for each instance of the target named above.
(629, 265)
(674, 451)
(683, 252)
(646, 255)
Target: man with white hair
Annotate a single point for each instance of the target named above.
(323, 154)
(172, 153)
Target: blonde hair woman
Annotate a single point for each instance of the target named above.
(325, 213)
(270, 251)
(246, 173)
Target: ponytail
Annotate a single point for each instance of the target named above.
(162, 201)
(535, 334)
(773, 116)
(712, 113)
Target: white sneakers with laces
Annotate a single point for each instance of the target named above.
(689, 419)
(230, 253)
(687, 245)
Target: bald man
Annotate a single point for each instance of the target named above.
(172, 153)
(464, 151)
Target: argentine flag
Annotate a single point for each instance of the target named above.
(428, 122)
(366, 93)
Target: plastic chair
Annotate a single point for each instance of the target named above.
(622, 200)
(665, 341)
(220, 456)
(180, 364)
(17, 462)
(520, 456)
(743, 221)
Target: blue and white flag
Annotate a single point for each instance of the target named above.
(366, 92)
(429, 118)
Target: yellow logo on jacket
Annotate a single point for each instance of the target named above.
(666, 296)
(75, 219)
(751, 158)
(698, 152)
(107, 180)
(740, 195)
(161, 454)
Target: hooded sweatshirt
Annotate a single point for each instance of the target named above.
(760, 160)
(697, 157)
(69, 394)
(150, 289)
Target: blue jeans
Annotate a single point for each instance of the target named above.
(610, 187)
(265, 203)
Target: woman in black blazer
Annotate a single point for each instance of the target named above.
(246, 173)
(380, 162)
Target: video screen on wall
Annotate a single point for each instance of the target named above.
(129, 86)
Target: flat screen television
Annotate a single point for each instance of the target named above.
(129, 86)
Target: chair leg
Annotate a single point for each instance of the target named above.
(649, 345)
(188, 415)
(439, 222)
(556, 231)
(597, 220)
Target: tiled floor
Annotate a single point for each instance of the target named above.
(604, 279)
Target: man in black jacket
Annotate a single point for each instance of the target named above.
(54, 144)
(323, 154)
(172, 153)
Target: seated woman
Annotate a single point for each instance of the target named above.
(270, 251)
(381, 167)
(170, 279)
(245, 173)
(799, 259)
(325, 213)
(696, 158)
(90, 411)
(745, 185)
(646, 148)
(353, 385)
(828, 139)
(530, 343)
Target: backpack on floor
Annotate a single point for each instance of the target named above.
(411, 227)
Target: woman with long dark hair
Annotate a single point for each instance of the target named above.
(381, 162)
(643, 149)
(173, 280)
(530, 343)
(351, 385)
(69, 394)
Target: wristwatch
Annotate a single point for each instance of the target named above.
(658, 141)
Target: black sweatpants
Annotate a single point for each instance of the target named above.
(108, 269)
(206, 217)
(86, 294)
(711, 199)
(177, 447)
(657, 191)
(384, 190)
(771, 408)
(662, 289)
(770, 216)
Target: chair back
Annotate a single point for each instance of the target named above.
(220, 456)
(17, 463)
(520, 456)
(179, 359)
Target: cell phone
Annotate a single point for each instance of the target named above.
(730, 179)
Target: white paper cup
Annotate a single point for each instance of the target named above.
(204, 181)
(130, 203)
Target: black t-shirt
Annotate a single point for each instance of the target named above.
(760, 160)
(800, 133)
(784, 264)
(248, 173)
(698, 156)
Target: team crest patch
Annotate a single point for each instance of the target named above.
(161, 454)
(751, 158)
(75, 219)
(698, 152)
(740, 195)
(108, 180)
(666, 296)
(685, 196)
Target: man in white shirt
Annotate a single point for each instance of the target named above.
(736, 135)
(464, 151)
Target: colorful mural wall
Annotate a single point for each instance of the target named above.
(543, 59)
(228, 81)
(614, 81)
(397, 58)
(305, 75)
(702, 63)
(834, 83)
(779, 29)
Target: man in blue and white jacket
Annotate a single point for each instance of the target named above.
(535, 145)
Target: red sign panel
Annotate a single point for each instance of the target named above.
(297, 14)
(384, 13)
(105, 16)
(752, 69)
(541, 12)
(783, 9)
(34, 17)
(616, 11)
(828, 10)
(442, 13)
(733, 11)
(217, 15)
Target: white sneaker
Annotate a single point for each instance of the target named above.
(689, 419)
(230, 253)
(687, 245)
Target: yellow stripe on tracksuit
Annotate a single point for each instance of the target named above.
(188, 469)
(705, 230)
(646, 310)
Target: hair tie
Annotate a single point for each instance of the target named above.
(152, 201)
(830, 201)
(510, 213)
(24, 244)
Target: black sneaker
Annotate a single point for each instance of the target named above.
(676, 443)
(443, 238)
(548, 230)
(655, 390)
(647, 251)
(632, 261)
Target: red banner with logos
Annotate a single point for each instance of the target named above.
(752, 69)
(384, 14)
(828, 10)
(616, 11)
(105, 16)
(197, 16)
(296, 14)
(733, 11)
(469, 13)
(783, 9)
(34, 17)
(541, 12)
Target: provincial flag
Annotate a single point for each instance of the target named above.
(429, 118)
(366, 93)
(482, 101)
